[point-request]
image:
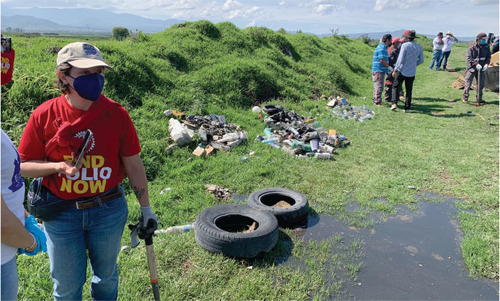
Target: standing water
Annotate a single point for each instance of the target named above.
(414, 255)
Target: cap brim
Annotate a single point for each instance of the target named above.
(89, 63)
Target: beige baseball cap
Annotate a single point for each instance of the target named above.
(81, 55)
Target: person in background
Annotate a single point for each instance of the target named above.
(494, 47)
(20, 232)
(393, 57)
(437, 55)
(478, 57)
(380, 66)
(448, 40)
(93, 227)
(410, 56)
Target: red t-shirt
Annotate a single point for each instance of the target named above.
(7, 66)
(114, 137)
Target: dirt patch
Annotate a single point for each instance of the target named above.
(187, 265)
(281, 204)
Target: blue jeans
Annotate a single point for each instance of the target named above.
(436, 58)
(71, 234)
(10, 281)
(446, 54)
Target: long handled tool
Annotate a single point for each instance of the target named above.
(137, 233)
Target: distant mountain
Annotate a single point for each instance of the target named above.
(86, 20)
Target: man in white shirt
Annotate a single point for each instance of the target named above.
(437, 55)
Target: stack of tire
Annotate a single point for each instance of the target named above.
(221, 229)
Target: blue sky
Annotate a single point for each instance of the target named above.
(462, 17)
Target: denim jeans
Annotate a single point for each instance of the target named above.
(10, 281)
(71, 234)
(446, 54)
(436, 58)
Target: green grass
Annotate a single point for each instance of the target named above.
(203, 68)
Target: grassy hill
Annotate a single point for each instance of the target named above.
(203, 68)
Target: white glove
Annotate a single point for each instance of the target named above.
(485, 67)
(390, 69)
(478, 67)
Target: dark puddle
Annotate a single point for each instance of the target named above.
(414, 255)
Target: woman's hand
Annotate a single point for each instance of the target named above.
(67, 168)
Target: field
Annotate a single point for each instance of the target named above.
(203, 68)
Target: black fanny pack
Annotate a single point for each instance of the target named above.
(43, 204)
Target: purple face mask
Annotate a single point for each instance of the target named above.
(89, 86)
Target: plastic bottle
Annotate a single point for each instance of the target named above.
(294, 131)
(270, 140)
(306, 148)
(289, 143)
(314, 143)
(323, 156)
(267, 132)
(274, 145)
(175, 229)
(297, 143)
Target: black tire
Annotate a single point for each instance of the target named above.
(219, 229)
(288, 217)
(272, 109)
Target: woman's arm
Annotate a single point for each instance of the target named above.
(137, 176)
(14, 233)
(35, 168)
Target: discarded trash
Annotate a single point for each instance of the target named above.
(125, 248)
(299, 136)
(165, 190)
(344, 110)
(243, 159)
(219, 192)
(175, 229)
(178, 133)
(213, 131)
(256, 109)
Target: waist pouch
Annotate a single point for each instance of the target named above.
(43, 204)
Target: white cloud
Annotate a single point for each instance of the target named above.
(231, 5)
(483, 2)
(252, 24)
(282, 3)
(324, 9)
(401, 4)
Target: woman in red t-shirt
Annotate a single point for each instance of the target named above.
(95, 221)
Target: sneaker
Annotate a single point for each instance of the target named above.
(394, 107)
(378, 105)
(464, 100)
(407, 111)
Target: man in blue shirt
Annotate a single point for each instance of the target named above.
(380, 66)
(410, 56)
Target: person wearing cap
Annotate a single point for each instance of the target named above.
(478, 57)
(410, 56)
(393, 57)
(380, 66)
(448, 40)
(92, 227)
(437, 54)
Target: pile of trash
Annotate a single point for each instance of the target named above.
(219, 193)
(345, 110)
(212, 130)
(297, 135)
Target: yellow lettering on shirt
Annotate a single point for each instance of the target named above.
(66, 185)
(97, 161)
(80, 186)
(94, 185)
